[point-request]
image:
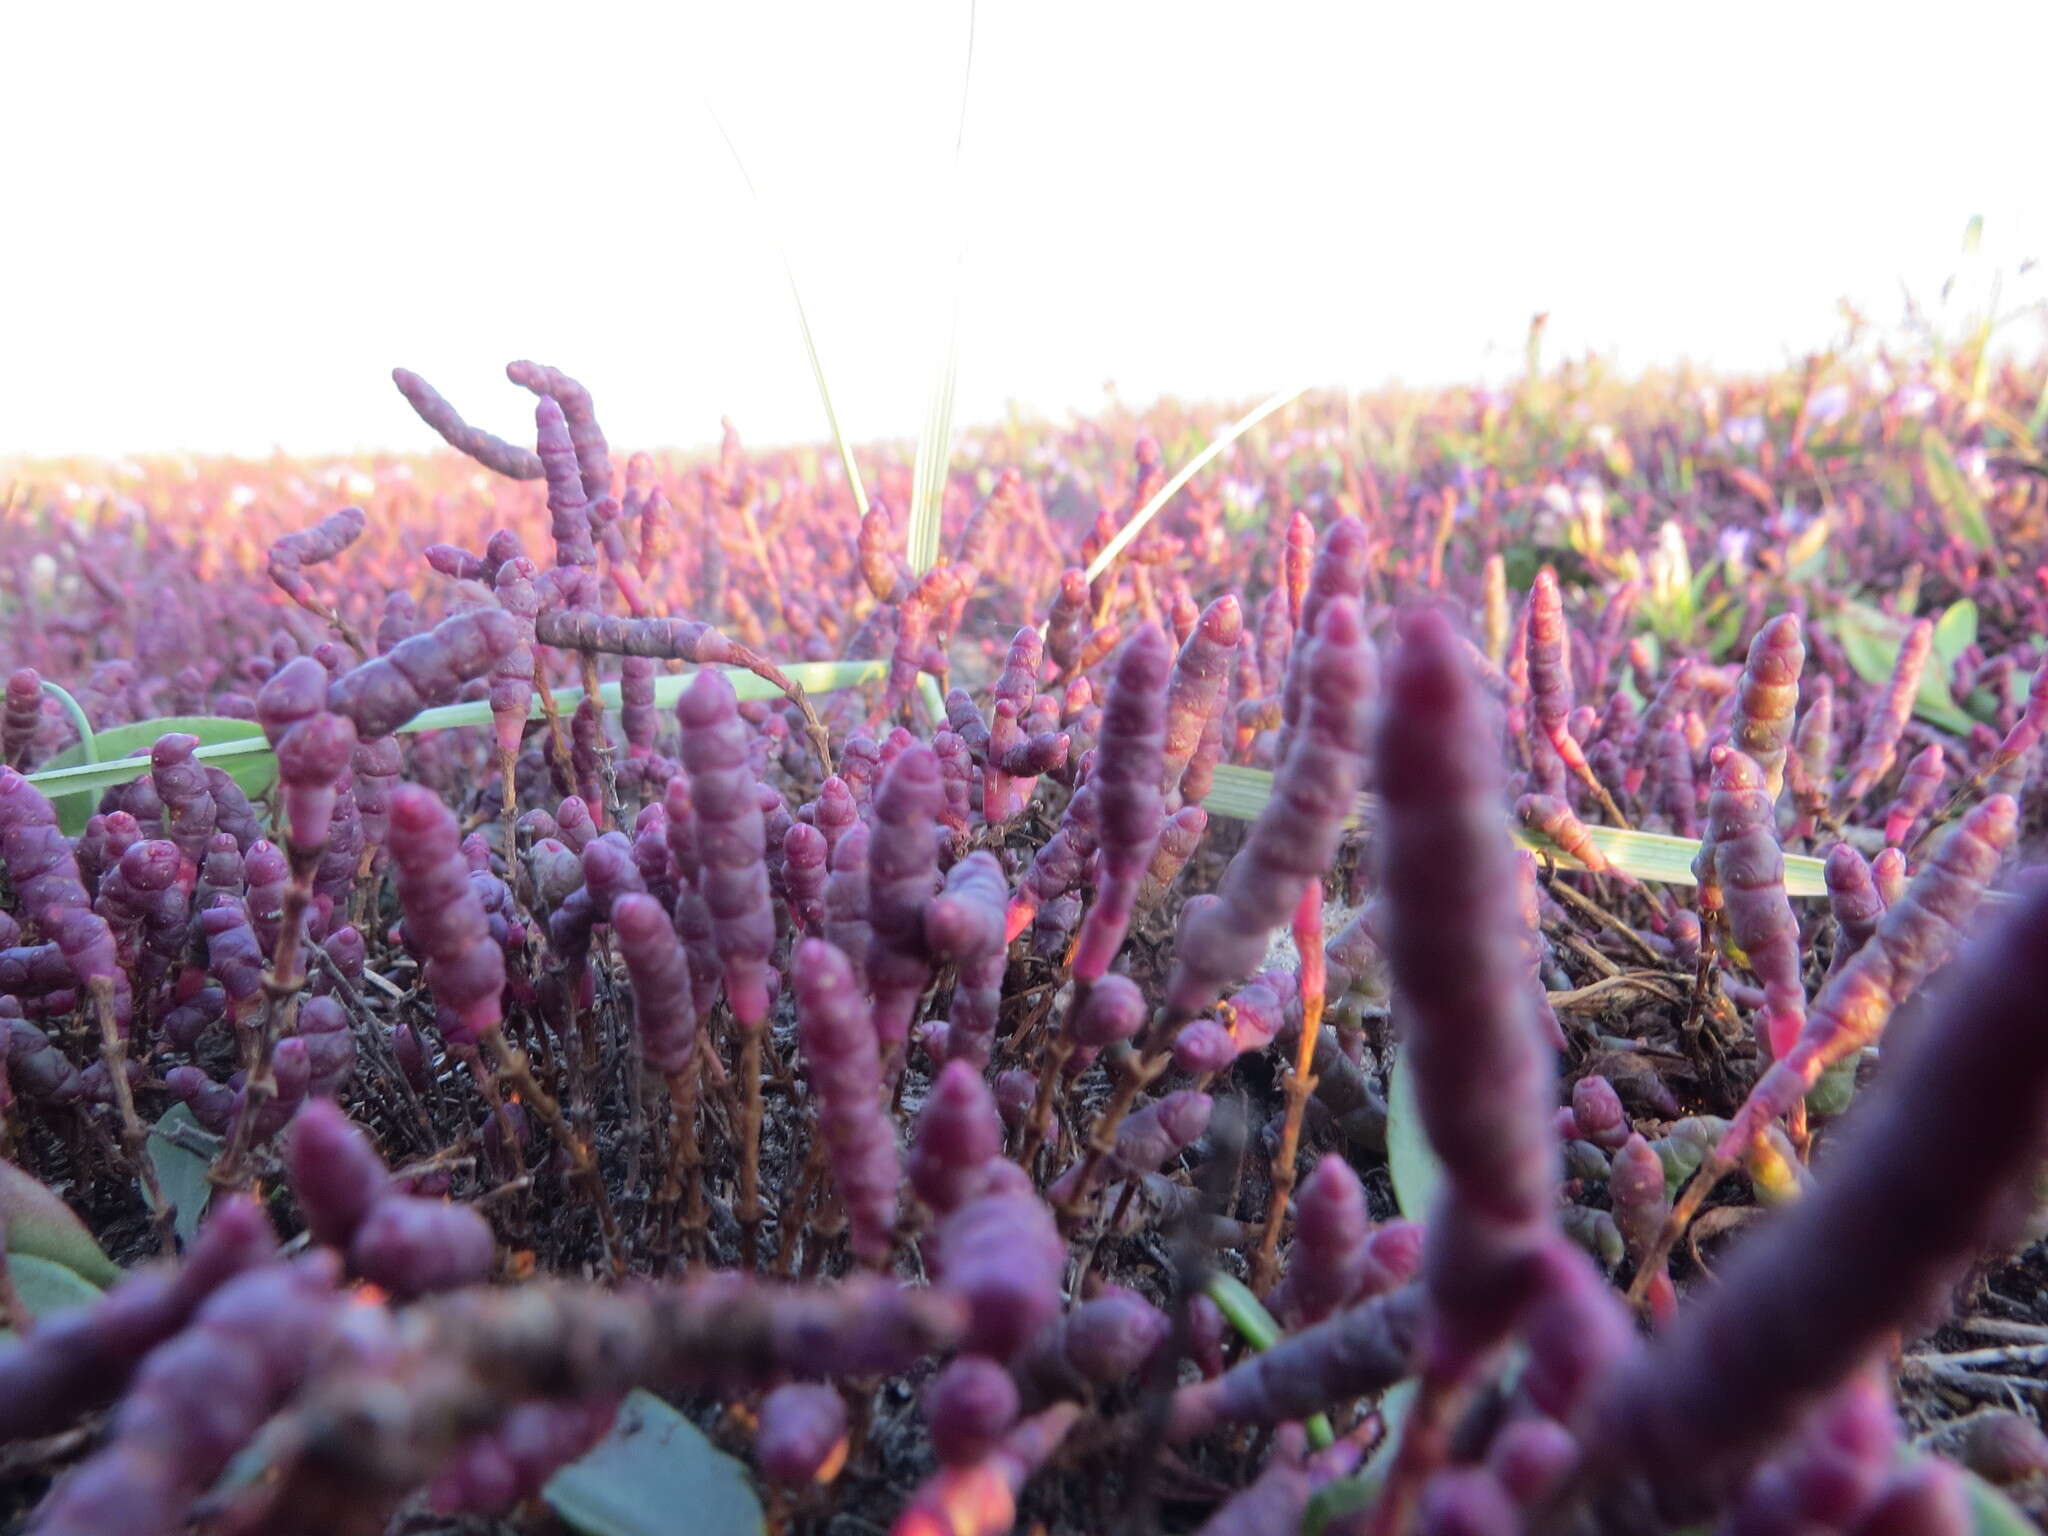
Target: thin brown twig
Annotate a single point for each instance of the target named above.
(1301, 1082)
(1606, 919)
(686, 1161)
(513, 1066)
(281, 986)
(749, 1212)
(1139, 1071)
(134, 1139)
(366, 1028)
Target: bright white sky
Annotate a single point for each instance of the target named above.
(227, 222)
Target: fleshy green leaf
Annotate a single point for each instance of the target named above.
(1832, 1094)
(655, 1473)
(1417, 1173)
(40, 1225)
(1962, 512)
(181, 1172)
(46, 1288)
(1241, 793)
(121, 745)
(1871, 641)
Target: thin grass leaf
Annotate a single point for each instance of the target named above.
(1991, 1512)
(88, 745)
(1188, 471)
(803, 321)
(935, 442)
(2038, 422)
(1962, 512)
(1349, 1495)
(928, 690)
(934, 451)
(122, 743)
(253, 751)
(1248, 1315)
(1241, 793)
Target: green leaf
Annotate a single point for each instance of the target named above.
(928, 690)
(1871, 640)
(1417, 1173)
(40, 1225)
(180, 1172)
(1830, 1096)
(115, 748)
(1955, 631)
(136, 737)
(1962, 513)
(1242, 1310)
(1348, 1495)
(1241, 793)
(1188, 471)
(1248, 1315)
(46, 1288)
(88, 747)
(1991, 1512)
(1331, 1502)
(654, 1474)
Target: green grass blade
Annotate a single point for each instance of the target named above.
(935, 442)
(811, 676)
(934, 451)
(928, 690)
(1248, 1315)
(1241, 793)
(88, 746)
(94, 778)
(255, 774)
(1188, 471)
(2038, 422)
(803, 321)
(1961, 510)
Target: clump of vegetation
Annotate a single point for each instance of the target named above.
(724, 979)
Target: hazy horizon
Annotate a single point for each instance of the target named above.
(244, 221)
